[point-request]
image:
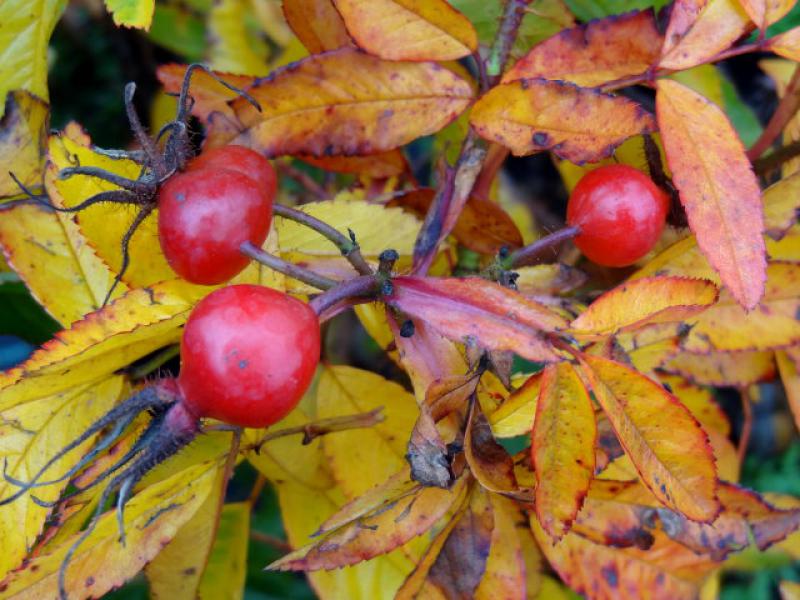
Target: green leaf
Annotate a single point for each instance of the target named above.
(179, 30)
(131, 13)
(586, 10)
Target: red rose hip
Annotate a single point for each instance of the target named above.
(620, 212)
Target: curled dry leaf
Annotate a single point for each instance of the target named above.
(345, 102)
(646, 301)
(717, 188)
(428, 455)
(577, 124)
(478, 310)
(408, 29)
(699, 29)
(488, 461)
(665, 442)
(562, 446)
(598, 52)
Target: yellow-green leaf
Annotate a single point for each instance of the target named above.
(131, 13)
(226, 570)
(23, 130)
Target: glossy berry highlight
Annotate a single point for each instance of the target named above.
(248, 354)
(620, 212)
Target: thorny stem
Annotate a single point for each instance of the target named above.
(289, 269)
(787, 108)
(772, 161)
(458, 183)
(364, 287)
(532, 253)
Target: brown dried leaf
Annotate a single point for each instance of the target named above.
(489, 462)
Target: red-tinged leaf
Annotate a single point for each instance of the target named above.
(456, 560)
(317, 24)
(717, 188)
(787, 44)
(489, 462)
(645, 301)
(727, 327)
(766, 12)
(790, 377)
(577, 124)
(390, 523)
(478, 311)
(595, 53)
(563, 439)
(767, 523)
(663, 440)
(736, 369)
(207, 93)
(385, 164)
(505, 573)
(345, 102)
(450, 394)
(408, 29)
(482, 226)
(699, 29)
(666, 571)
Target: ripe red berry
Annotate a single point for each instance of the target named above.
(620, 212)
(241, 159)
(204, 215)
(248, 354)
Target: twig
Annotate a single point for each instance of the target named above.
(772, 161)
(270, 540)
(305, 180)
(787, 108)
(504, 39)
(289, 269)
(365, 286)
(315, 429)
(532, 253)
(347, 245)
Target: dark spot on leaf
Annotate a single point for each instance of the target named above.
(540, 138)
(190, 571)
(609, 573)
(89, 581)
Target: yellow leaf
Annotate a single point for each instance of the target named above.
(700, 401)
(563, 439)
(176, 572)
(666, 444)
(132, 13)
(515, 416)
(790, 590)
(234, 48)
(717, 187)
(577, 124)
(23, 130)
(644, 301)
(781, 203)
(56, 420)
(787, 44)
(726, 326)
(723, 368)
(317, 24)
(408, 29)
(226, 570)
(105, 224)
(346, 102)
(362, 458)
(683, 258)
(27, 25)
(55, 261)
(104, 341)
(152, 518)
(505, 573)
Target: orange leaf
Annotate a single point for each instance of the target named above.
(409, 29)
(482, 226)
(208, 94)
(489, 462)
(580, 125)
(644, 301)
(317, 24)
(663, 440)
(787, 44)
(505, 574)
(385, 164)
(598, 52)
(723, 369)
(479, 311)
(766, 12)
(563, 439)
(699, 29)
(717, 188)
(347, 102)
